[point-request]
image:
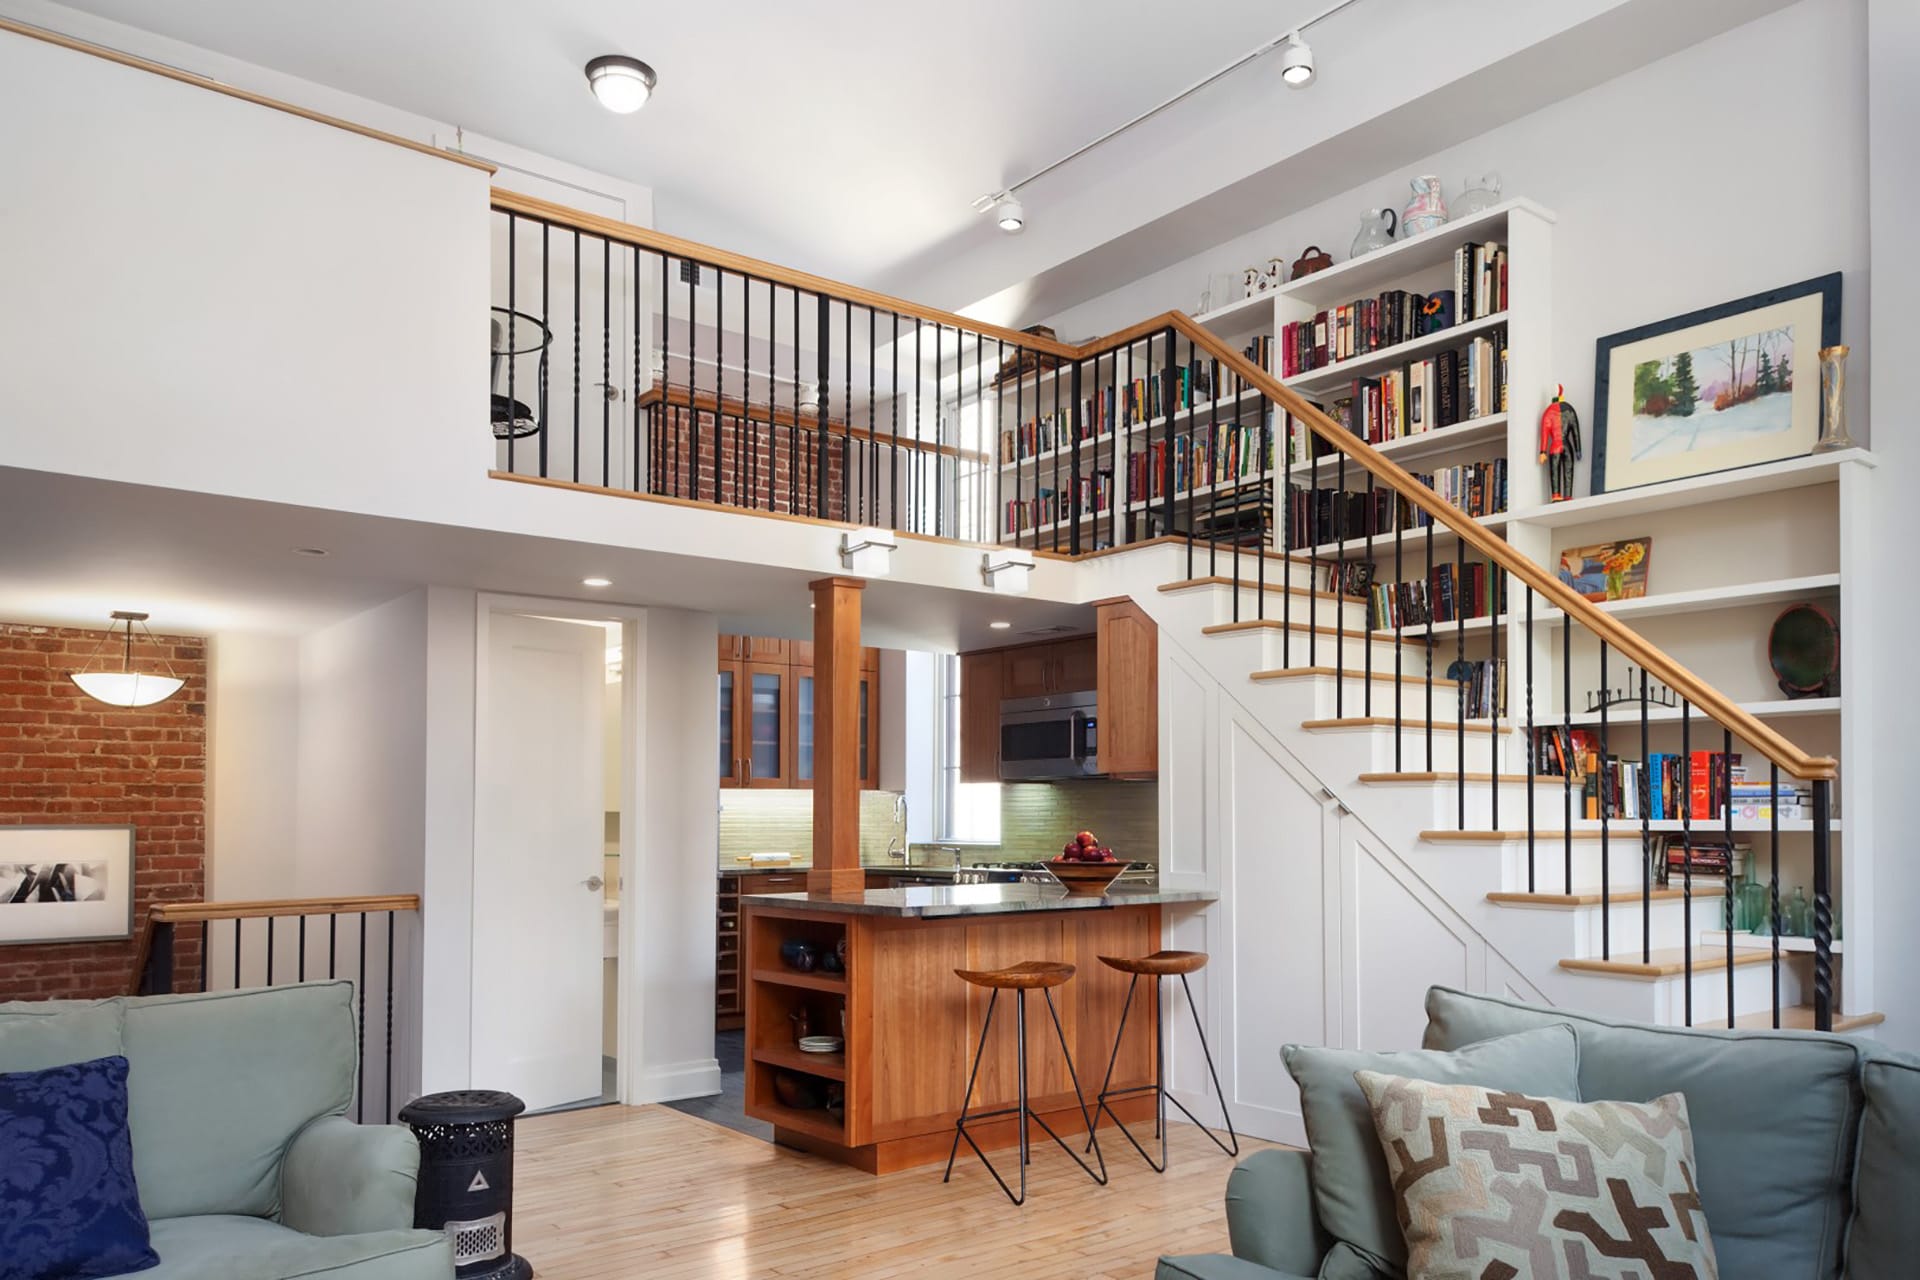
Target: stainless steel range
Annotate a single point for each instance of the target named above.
(1002, 873)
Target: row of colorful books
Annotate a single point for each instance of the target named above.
(1483, 687)
(1670, 785)
(1092, 494)
(1216, 455)
(1479, 280)
(1449, 593)
(1357, 328)
(1442, 390)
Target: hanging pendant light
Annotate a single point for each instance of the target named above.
(127, 687)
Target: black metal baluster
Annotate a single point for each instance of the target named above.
(1606, 804)
(846, 403)
(269, 950)
(545, 317)
(793, 423)
(1822, 905)
(1260, 545)
(1646, 831)
(1686, 845)
(333, 941)
(1773, 884)
(696, 458)
(870, 486)
(300, 970)
(1215, 478)
(1533, 748)
(360, 1011)
(206, 951)
(1334, 589)
(719, 388)
(823, 444)
(1128, 412)
(1398, 607)
(1053, 379)
(1463, 685)
(237, 925)
(1366, 647)
(915, 476)
(999, 425)
(1432, 636)
(606, 362)
(576, 357)
(1157, 393)
(939, 332)
(1566, 727)
(1288, 539)
(388, 1090)
(665, 400)
(633, 384)
(1726, 899)
(513, 317)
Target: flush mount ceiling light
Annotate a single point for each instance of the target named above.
(623, 85)
(126, 687)
(1296, 62)
(1000, 626)
(596, 582)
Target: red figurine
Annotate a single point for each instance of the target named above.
(1560, 443)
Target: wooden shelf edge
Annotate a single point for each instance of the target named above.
(794, 978)
(829, 1066)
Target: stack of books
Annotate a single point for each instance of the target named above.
(1479, 280)
(1355, 329)
(1439, 598)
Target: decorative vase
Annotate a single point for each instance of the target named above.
(798, 953)
(1753, 909)
(1798, 916)
(1616, 584)
(1426, 210)
(1483, 195)
(802, 1023)
(1376, 231)
(1833, 394)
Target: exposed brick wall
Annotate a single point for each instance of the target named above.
(65, 758)
(762, 468)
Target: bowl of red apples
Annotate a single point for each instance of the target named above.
(1085, 867)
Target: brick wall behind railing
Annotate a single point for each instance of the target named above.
(66, 759)
(757, 464)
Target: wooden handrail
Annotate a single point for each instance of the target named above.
(1716, 705)
(186, 912)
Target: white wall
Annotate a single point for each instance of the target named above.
(253, 720)
(1731, 167)
(1893, 112)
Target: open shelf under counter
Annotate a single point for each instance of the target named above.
(1383, 268)
(1745, 482)
(795, 978)
(1765, 709)
(830, 1066)
(1461, 435)
(1705, 599)
(1329, 377)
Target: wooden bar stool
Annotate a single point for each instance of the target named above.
(1028, 975)
(1161, 964)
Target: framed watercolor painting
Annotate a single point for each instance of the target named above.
(1728, 386)
(1608, 570)
(66, 883)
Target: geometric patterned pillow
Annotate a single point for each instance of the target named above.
(1491, 1185)
(69, 1209)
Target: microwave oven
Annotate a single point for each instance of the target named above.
(1051, 737)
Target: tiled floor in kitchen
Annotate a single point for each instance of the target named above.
(729, 1107)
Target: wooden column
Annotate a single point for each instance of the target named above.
(836, 737)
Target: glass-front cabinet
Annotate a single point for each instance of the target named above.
(769, 709)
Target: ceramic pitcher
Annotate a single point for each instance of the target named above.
(1376, 231)
(1426, 210)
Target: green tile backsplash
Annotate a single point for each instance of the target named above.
(756, 821)
(1036, 818)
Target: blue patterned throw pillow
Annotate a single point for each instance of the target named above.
(69, 1209)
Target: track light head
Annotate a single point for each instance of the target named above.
(1009, 215)
(1296, 62)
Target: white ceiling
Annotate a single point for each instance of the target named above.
(844, 138)
(76, 549)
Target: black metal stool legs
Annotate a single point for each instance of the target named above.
(1158, 1087)
(1021, 1109)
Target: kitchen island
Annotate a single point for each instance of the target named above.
(889, 1099)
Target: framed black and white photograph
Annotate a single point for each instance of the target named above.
(1729, 386)
(66, 883)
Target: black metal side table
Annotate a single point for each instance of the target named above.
(466, 1178)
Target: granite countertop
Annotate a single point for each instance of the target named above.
(933, 901)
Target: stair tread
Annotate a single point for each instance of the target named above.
(1799, 1017)
(1217, 580)
(1276, 624)
(1667, 962)
(1591, 898)
(1406, 723)
(1430, 776)
(1351, 673)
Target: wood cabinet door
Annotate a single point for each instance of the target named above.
(732, 648)
(1076, 665)
(802, 704)
(730, 697)
(1026, 672)
(762, 735)
(980, 694)
(1129, 687)
(799, 653)
(765, 649)
(869, 734)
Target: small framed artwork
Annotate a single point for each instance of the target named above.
(66, 883)
(1608, 570)
(1728, 386)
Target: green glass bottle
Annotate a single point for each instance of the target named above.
(1799, 914)
(1753, 908)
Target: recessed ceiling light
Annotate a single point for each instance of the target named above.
(311, 551)
(596, 582)
(1296, 63)
(999, 626)
(623, 85)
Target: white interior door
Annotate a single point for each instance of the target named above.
(537, 898)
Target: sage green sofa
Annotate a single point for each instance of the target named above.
(247, 1166)
(1808, 1146)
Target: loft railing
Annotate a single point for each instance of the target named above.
(773, 390)
(276, 942)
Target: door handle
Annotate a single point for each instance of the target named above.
(594, 883)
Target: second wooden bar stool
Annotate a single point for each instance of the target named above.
(1028, 975)
(1161, 964)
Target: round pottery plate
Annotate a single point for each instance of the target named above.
(820, 1044)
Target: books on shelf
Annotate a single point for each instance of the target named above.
(1331, 514)
(1092, 494)
(1703, 858)
(1449, 593)
(1479, 280)
(1483, 687)
(1357, 328)
(1216, 454)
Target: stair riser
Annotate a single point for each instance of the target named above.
(1666, 924)
(1273, 650)
(1322, 611)
(1549, 806)
(1350, 752)
(1624, 862)
(1752, 993)
(1357, 696)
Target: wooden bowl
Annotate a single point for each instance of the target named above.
(1086, 879)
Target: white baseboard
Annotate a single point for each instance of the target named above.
(673, 1081)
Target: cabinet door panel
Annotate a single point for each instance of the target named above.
(1026, 672)
(1129, 684)
(980, 694)
(764, 649)
(764, 742)
(1076, 667)
(800, 697)
(729, 683)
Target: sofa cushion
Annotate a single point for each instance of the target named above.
(35, 1035)
(1490, 1182)
(1884, 1239)
(221, 1084)
(69, 1209)
(222, 1247)
(1352, 1193)
(1216, 1266)
(1773, 1113)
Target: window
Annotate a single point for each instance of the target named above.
(968, 811)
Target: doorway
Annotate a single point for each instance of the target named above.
(550, 764)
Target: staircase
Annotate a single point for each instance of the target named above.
(1376, 721)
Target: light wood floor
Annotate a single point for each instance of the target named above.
(618, 1192)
